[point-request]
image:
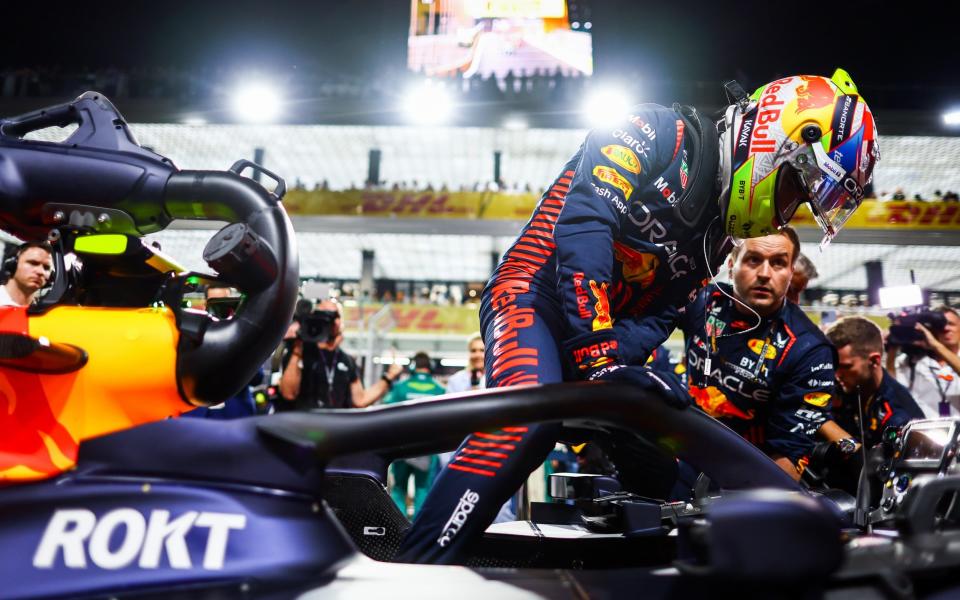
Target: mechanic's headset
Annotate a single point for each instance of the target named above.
(10, 264)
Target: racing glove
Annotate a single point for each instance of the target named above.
(666, 384)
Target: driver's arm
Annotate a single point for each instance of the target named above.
(590, 211)
(640, 336)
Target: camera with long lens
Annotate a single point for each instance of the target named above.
(316, 326)
(903, 330)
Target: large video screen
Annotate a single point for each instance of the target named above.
(480, 38)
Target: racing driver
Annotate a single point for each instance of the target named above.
(637, 221)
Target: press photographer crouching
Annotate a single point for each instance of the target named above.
(923, 352)
(316, 372)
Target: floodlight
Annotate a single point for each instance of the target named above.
(900, 296)
(515, 123)
(256, 102)
(428, 103)
(605, 106)
(194, 121)
(951, 118)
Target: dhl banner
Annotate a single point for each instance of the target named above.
(463, 321)
(415, 205)
(420, 319)
(501, 206)
(873, 214)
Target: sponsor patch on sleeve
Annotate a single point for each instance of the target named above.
(818, 399)
(622, 156)
(610, 176)
(757, 346)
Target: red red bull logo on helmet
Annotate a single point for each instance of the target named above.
(602, 320)
(814, 93)
(769, 110)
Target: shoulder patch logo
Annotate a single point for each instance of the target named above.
(622, 156)
(818, 399)
(610, 176)
(758, 346)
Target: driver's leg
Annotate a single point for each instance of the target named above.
(490, 465)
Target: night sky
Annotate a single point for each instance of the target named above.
(904, 54)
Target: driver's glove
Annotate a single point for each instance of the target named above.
(667, 384)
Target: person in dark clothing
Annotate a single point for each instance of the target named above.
(636, 222)
(867, 388)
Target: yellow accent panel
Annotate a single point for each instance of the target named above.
(844, 81)
(103, 243)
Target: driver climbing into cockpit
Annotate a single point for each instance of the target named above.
(637, 221)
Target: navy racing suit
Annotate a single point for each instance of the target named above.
(602, 249)
(770, 382)
(891, 406)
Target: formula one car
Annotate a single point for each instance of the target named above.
(104, 496)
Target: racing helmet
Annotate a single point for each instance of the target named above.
(798, 139)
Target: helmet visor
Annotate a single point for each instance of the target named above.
(833, 194)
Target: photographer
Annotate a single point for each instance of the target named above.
(927, 366)
(316, 372)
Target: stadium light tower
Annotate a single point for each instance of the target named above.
(605, 106)
(428, 104)
(256, 102)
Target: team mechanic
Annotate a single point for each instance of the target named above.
(637, 222)
(754, 360)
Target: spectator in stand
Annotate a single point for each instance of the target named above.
(899, 195)
(951, 197)
(804, 271)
